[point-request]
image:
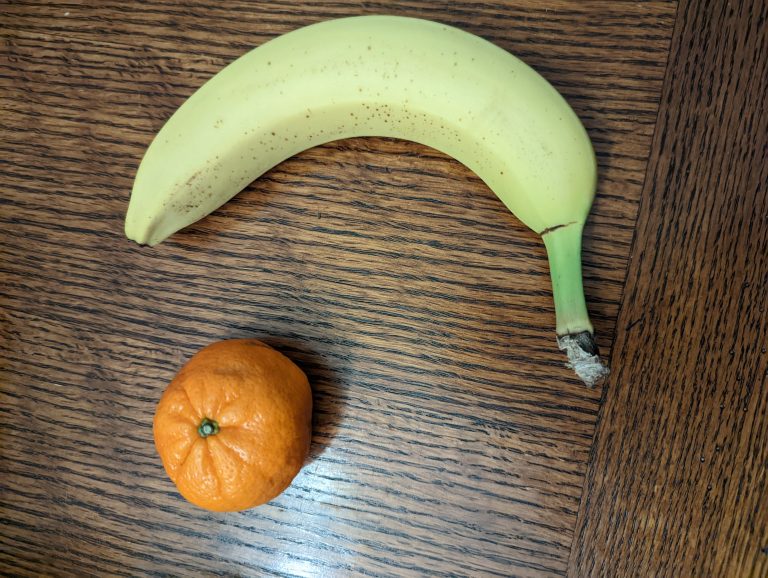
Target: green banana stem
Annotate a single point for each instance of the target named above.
(575, 334)
(564, 250)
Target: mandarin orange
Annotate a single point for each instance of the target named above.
(233, 428)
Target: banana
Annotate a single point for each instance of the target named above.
(393, 77)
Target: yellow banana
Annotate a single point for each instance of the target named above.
(395, 77)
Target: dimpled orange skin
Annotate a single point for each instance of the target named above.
(258, 402)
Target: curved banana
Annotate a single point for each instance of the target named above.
(395, 77)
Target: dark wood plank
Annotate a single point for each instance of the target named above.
(449, 437)
(678, 485)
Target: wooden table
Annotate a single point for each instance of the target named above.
(449, 438)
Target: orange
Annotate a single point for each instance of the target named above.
(233, 428)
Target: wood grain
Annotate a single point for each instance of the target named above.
(449, 438)
(678, 485)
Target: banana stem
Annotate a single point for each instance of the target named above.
(575, 334)
(564, 251)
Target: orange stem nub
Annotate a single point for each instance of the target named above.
(207, 427)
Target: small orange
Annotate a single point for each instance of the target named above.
(233, 428)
